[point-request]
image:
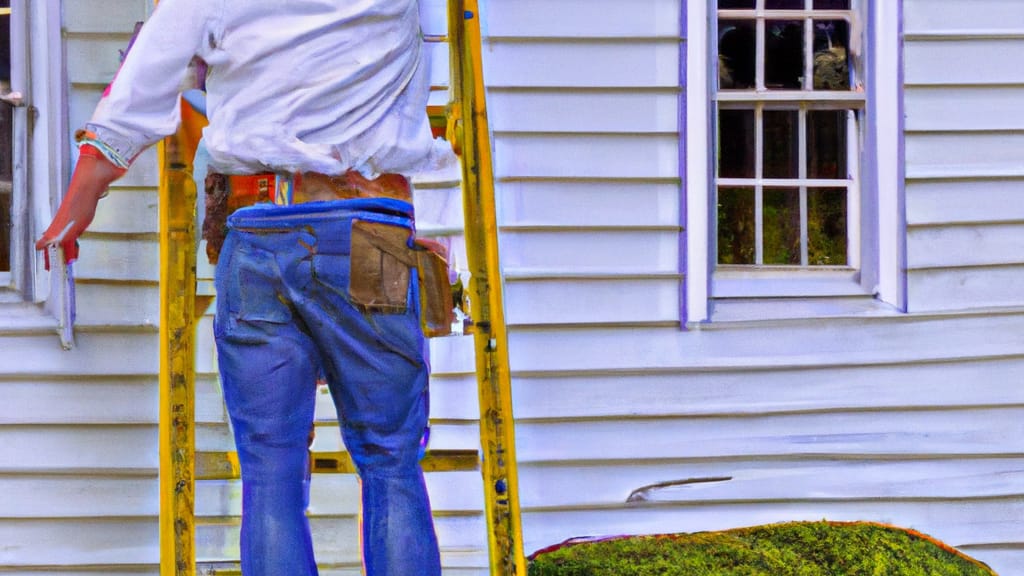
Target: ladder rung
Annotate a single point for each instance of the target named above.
(224, 465)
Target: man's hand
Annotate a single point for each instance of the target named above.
(93, 174)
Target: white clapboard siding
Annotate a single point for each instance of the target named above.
(720, 480)
(976, 245)
(962, 125)
(712, 392)
(955, 202)
(79, 431)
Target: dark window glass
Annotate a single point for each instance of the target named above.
(826, 227)
(782, 226)
(736, 226)
(831, 4)
(784, 54)
(781, 144)
(831, 46)
(736, 144)
(826, 144)
(736, 4)
(737, 49)
(784, 4)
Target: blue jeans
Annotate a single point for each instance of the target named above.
(285, 318)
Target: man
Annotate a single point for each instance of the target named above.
(317, 118)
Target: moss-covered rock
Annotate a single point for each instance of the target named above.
(790, 549)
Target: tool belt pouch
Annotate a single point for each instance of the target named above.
(215, 220)
(436, 312)
(381, 262)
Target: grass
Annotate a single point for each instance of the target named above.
(789, 549)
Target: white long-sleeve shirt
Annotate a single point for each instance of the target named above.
(293, 86)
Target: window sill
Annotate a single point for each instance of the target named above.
(745, 310)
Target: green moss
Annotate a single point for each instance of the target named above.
(791, 549)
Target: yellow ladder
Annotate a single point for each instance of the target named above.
(465, 119)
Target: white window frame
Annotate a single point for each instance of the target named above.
(879, 276)
(30, 297)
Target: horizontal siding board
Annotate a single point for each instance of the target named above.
(78, 449)
(937, 202)
(59, 542)
(141, 204)
(956, 523)
(583, 63)
(586, 156)
(905, 434)
(117, 304)
(626, 111)
(119, 258)
(586, 301)
(965, 288)
(957, 246)
(964, 62)
(137, 353)
(588, 203)
(438, 207)
(568, 251)
(103, 16)
(79, 401)
(79, 496)
(969, 108)
(970, 154)
(583, 18)
(95, 59)
(707, 483)
(811, 343)
(730, 392)
(951, 17)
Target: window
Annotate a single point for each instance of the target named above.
(32, 157)
(788, 217)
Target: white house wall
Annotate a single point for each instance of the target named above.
(910, 419)
(965, 178)
(907, 419)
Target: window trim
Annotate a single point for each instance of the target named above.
(41, 161)
(881, 172)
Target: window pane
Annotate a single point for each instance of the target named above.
(831, 4)
(784, 54)
(736, 4)
(737, 49)
(736, 143)
(826, 144)
(831, 66)
(736, 226)
(781, 144)
(784, 4)
(826, 226)
(782, 226)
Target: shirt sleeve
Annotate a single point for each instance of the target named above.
(141, 104)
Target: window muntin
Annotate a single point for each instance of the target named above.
(787, 105)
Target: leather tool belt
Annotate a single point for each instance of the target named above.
(382, 256)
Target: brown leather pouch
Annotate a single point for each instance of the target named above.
(436, 312)
(380, 262)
